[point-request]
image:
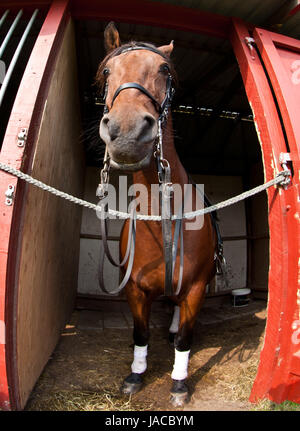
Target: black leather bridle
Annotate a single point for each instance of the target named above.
(162, 108)
(170, 244)
(164, 176)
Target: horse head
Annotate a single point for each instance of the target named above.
(138, 82)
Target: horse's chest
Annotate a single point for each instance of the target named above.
(148, 266)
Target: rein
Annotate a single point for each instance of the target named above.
(170, 245)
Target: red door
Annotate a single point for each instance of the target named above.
(270, 67)
(26, 113)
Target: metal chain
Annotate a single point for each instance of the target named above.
(281, 179)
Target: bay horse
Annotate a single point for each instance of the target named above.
(135, 77)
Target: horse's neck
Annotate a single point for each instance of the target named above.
(149, 176)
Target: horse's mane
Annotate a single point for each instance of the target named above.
(100, 79)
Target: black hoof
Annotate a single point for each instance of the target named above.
(132, 384)
(179, 393)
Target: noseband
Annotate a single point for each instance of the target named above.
(162, 108)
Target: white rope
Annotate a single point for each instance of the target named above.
(280, 178)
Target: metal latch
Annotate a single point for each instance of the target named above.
(250, 42)
(9, 194)
(284, 158)
(22, 136)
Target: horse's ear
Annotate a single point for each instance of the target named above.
(111, 37)
(167, 49)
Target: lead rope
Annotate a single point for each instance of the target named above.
(282, 179)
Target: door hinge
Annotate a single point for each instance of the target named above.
(9, 194)
(250, 42)
(22, 136)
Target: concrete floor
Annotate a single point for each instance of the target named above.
(100, 320)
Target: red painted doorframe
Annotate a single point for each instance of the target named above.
(277, 374)
(146, 12)
(26, 113)
(281, 57)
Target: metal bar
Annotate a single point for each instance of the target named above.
(208, 112)
(10, 32)
(16, 56)
(3, 18)
(94, 236)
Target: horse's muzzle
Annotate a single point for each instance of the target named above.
(129, 140)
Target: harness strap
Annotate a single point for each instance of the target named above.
(129, 255)
(166, 224)
(170, 244)
(170, 247)
(178, 231)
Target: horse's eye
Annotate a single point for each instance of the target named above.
(105, 72)
(164, 68)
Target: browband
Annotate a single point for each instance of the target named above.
(141, 46)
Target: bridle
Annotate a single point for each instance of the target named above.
(166, 192)
(162, 108)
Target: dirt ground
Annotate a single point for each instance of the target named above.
(87, 368)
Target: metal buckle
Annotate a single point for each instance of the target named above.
(102, 190)
(167, 190)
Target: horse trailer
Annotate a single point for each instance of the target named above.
(236, 115)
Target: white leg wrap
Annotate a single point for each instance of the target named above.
(175, 321)
(139, 364)
(180, 368)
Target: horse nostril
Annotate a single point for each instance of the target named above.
(149, 121)
(147, 128)
(113, 130)
(105, 121)
(110, 128)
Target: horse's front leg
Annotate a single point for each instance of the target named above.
(140, 307)
(189, 308)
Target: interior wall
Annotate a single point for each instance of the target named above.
(50, 239)
(258, 236)
(232, 224)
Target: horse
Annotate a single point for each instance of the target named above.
(137, 79)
